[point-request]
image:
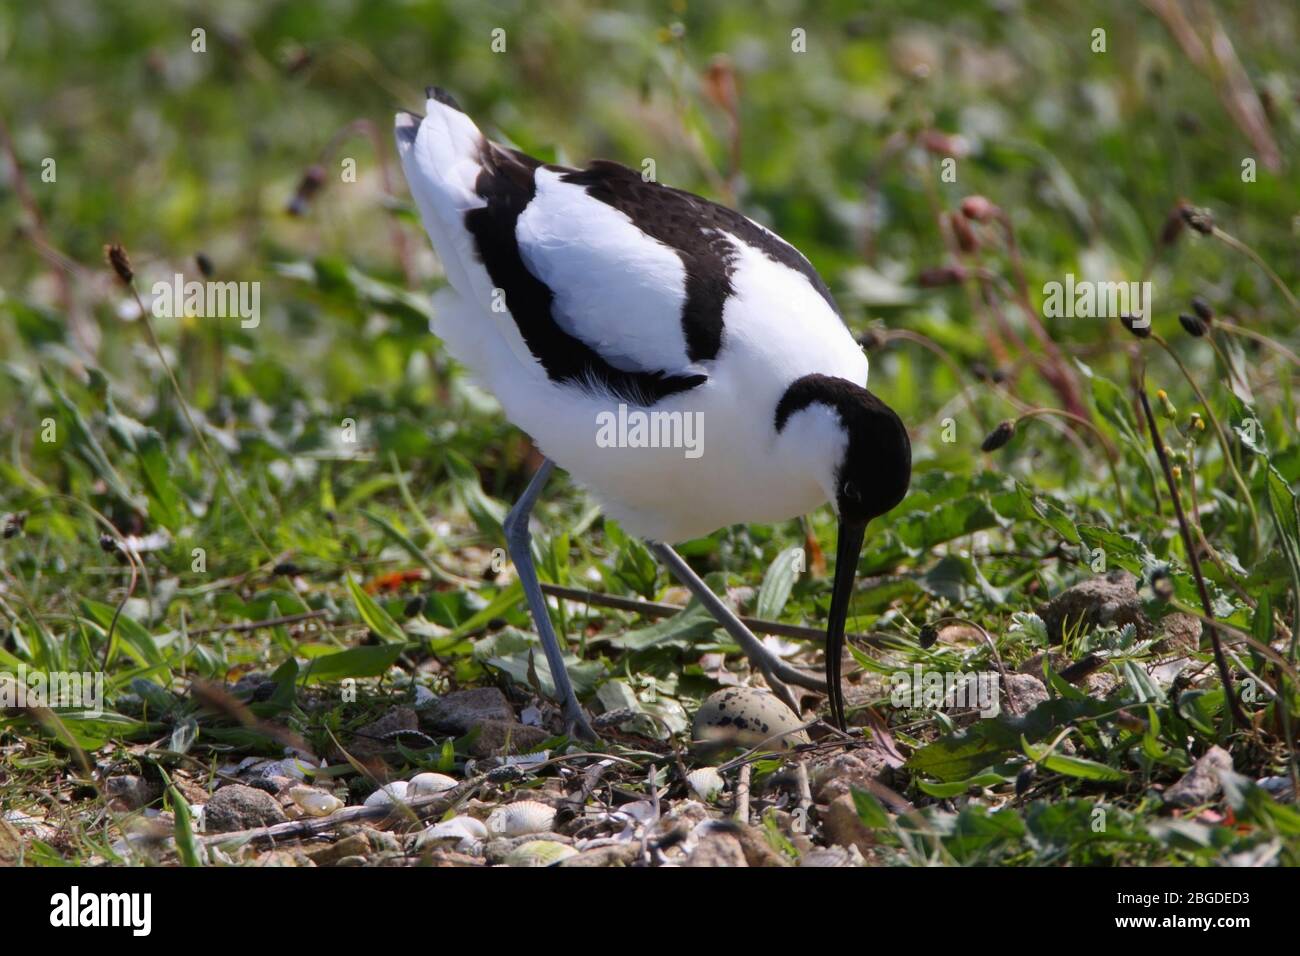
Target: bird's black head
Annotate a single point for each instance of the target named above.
(877, 466)
(873, 474)
(870, 479)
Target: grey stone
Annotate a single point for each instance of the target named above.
(376, 738)
(236, 807)
(500, 737)
(1201, 783)
(1108, 601)
(1022, 693)
(356, 845)
(623, 854)
(1179, 634)
(843, 827)
(461, 710)
(130, 792)
(717, 849)
(835, 776)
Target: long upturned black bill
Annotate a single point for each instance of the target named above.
(848, 548)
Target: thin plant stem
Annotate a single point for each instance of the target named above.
(1255, 257)
(1228, 458)
(194, 427)
(1254, 336)
(1235, 713)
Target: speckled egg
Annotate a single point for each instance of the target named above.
(746, 717)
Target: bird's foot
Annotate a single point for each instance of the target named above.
(577, 725)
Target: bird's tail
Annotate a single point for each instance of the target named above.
(443, 154)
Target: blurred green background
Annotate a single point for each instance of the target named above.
(172, 151)
(834, 123)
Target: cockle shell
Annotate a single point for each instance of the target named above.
(462, 832)
(427, 784)
(388, 794)
(313, 802)
(520, 819)
(707, 783)
(539, 853)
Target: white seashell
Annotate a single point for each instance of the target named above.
(707, 783)
(520, 819)
(463, 832)
(539, 853)
(313, 802)
(427, 784)
(387, 794)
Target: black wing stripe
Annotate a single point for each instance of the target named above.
(507, 185)
(694, 228)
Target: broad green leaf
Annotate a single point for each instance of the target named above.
(958, 787)
(870, 810)
(777, 583)
(1070, 766)
(368, 661)
(140, 643)
(376, 617)
(186, 845)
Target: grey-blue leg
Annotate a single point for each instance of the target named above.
(776, 671)
(518, 540)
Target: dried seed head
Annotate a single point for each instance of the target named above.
(1162, 585)
(967, 241)
(940, 276)
(506, 774)
(13, 523)
(1202, 309)
(720, 84)
(871, 340)
(999, 436)
(1141, 331)
(979, 209)
(204, 264)
(929, 634)
(1025, 779)
(1173, 227)
(612, 718)
(313, 178)
(121, 264)
(1193, 324)
(1202, 220)
(415, 606)
(939, 143)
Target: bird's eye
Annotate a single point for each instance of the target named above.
(850, 491)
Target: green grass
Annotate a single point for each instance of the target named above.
(343, 445)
